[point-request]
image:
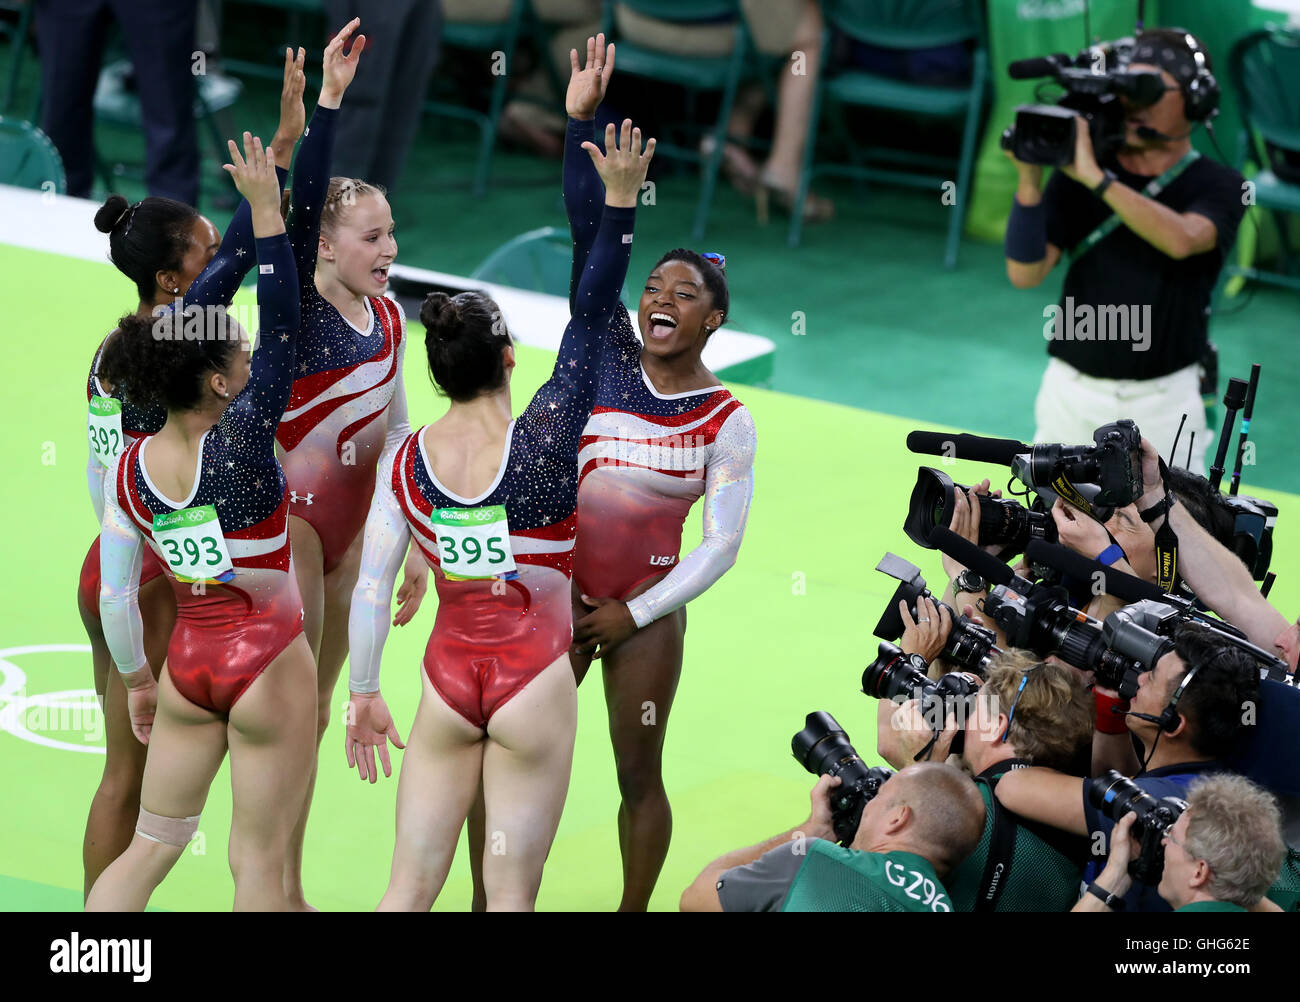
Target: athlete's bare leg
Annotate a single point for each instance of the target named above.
(188, 744)
(440, 774)
(309, 567)
(526, 767)
(271, 732)
(641, 676)
(110, 825)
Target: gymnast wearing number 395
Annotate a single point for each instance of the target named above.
(491, 503)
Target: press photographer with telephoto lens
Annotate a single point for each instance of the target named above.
(1189, 715)
(1027, 713)
(1221, 854)
(1145, 224)
(922, 822)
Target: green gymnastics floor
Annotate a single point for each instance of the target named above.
(787, 631)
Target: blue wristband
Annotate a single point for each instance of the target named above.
(1110, 554)
(1026, 236)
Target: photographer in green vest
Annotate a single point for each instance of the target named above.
(921, 823)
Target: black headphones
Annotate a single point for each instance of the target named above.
(1201, 93)
(1168, 719)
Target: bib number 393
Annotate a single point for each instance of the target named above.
(473, 543)
(104, 425)
(192, 544)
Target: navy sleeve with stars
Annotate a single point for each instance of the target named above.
(311, 180)
(217, 283)
(559, 410)
(584, 198)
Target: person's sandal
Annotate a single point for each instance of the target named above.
(737, 166)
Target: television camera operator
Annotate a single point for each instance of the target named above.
(1146, 229)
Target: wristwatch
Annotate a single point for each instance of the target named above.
(919, 663)
(1111, 901)
(1107, 180)
(969, 581)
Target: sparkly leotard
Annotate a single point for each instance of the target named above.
(215, 285)
(225, 633)
(491, 637)
(646, 457)
(348, 403)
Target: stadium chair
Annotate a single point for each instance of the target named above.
(908, 25)
(28, 159)
(695, 73)
(1264, 67)
(117, 102)
(494, 37)
(17, 35)
(539, 261)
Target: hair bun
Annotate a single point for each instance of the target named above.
(441, 317)
(110, 212)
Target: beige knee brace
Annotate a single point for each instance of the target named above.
(168, 831)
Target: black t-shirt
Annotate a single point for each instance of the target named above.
(1124, 271)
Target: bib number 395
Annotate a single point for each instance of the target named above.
(104, 426)
(193, 546)
(473, 543)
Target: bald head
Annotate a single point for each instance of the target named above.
(929, 809)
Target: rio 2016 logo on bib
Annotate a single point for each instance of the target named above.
(193, 545)
(104, 425)
(473, 543)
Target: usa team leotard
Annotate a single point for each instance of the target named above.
(215, 285)
(491, 637)
(646, 457)
(228, 633)
(345, 379)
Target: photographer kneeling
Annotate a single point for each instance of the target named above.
(1189, 715)
(1221, 855)
(922, 822)
(1026, 713)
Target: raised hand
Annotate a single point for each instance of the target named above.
(587, 86)
(293, 115)
(340, 69)
(623, 168)
(254, 176)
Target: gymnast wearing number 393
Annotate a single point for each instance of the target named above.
(207, 495)
(491, 503)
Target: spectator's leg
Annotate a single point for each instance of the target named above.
(71, 36)
(160, 37)
(794, 100)
(415, 59)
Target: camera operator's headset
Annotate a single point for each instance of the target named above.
(1201, 94)
(1169, 716)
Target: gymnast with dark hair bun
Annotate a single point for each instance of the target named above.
(207, 496)
(172, 254)
(490, 501)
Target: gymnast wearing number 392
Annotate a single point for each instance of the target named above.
(491, 503)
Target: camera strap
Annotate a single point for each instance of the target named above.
(1112, 222)
(1002, 846)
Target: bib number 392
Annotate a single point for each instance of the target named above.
(193, 546)
(473, 543)
(104, 425)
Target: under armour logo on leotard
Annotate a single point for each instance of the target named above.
(293, 496)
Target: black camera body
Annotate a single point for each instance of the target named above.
(1095, 85)
(1252, 531)
(969, 644)
(1115, 796)
(892, 676)
(823, 748)
(1113, 463)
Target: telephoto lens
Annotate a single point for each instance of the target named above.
(823, 748)
(893, 676)
(1003, 522)
(1116, 795)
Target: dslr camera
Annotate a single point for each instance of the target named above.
(823, 749)
(1115, 795)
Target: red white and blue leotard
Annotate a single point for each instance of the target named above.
(227, 633)
(348, 403)
(646, 457)
(215, 285)
(491, 637)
